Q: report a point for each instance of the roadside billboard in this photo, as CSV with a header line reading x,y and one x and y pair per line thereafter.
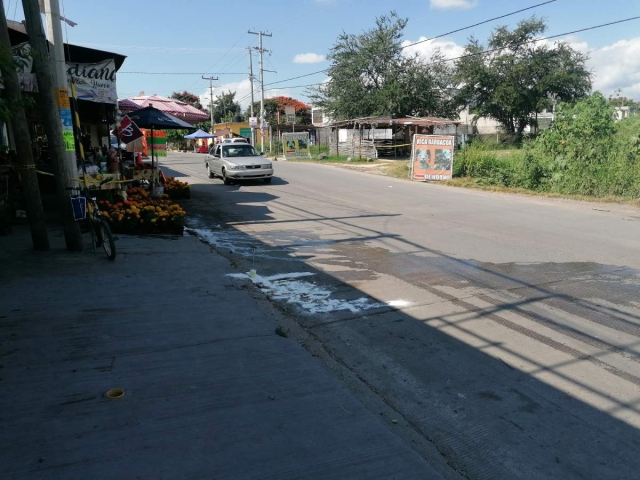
x,y
432,157
296,145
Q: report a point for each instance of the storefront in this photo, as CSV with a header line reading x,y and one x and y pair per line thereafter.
x,y
94,76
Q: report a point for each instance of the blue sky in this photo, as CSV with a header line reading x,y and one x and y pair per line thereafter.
x,y
198,36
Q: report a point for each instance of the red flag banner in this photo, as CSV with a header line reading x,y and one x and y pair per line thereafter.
x,y
129,131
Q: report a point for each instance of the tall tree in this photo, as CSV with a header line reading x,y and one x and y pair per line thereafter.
x,y
12,107
189,98
276,105
225,107
371,74
514,77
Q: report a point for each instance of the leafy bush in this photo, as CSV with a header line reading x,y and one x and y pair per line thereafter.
x,y
585,153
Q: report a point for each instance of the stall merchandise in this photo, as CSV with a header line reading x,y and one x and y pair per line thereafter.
x,y
141,213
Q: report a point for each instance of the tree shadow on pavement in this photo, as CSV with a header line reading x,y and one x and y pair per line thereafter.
x,y
492,411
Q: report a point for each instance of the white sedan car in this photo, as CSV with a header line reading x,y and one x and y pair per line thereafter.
x,y
237,161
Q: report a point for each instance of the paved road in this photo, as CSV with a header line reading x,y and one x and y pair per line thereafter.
x,y
504,329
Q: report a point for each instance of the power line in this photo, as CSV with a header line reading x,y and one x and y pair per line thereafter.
x,y
432,38
536,40
163,49
480,23
225,54
185,73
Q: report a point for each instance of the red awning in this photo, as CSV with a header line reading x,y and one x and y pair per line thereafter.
x,y
171,106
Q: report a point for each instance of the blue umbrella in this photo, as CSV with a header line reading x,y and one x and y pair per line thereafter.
x,y
199,134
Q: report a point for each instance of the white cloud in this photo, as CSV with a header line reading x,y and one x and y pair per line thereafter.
x,y
453,4
309,58
243,92
426,49
613,66
617,66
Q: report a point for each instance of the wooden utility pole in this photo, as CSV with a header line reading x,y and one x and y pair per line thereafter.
x,y
26,164
52,124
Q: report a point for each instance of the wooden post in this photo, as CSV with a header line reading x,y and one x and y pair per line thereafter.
x,y
52,124
26,164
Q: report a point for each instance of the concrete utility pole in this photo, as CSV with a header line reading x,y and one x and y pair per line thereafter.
x,y
262,112
26,164
59,69
51,120
211,80
253,130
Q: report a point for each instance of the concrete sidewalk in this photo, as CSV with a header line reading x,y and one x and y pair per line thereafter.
x,y
211,391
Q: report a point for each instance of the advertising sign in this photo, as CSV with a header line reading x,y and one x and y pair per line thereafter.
x,y
296,145
253,122
432,157
95,82
159,142
64,110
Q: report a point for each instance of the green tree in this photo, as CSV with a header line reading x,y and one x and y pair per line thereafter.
x,y
225,107
371,74
276,105
189,98
177,136
514,77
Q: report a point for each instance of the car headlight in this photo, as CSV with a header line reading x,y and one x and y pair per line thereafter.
x,y
237,167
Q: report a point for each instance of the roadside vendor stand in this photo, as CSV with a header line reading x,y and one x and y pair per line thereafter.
x,y
154,119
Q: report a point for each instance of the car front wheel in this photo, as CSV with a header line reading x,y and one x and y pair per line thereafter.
x,y
225,179
209,172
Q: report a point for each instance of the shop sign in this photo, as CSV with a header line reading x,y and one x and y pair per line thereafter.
x,y
296,145
432,157
94,82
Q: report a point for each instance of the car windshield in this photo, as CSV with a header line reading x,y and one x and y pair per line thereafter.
x,y
239,150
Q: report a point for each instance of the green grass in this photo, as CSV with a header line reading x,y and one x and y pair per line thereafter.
x,y
467,182
397,169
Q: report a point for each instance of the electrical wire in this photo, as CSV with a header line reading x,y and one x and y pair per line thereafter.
x,y
437,36
479,23
163,49
214,65
535,40
185,73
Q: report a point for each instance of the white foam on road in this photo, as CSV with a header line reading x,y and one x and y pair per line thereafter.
x,y
399,303
308,296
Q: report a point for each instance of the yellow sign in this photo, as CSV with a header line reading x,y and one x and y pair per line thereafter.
x,y
63,98
69,140
296,145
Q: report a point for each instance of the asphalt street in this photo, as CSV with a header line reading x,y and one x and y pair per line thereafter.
x,y
503,329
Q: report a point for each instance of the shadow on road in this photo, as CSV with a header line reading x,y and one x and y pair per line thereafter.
x,y
489,418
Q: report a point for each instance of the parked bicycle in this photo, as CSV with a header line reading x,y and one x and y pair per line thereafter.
x,y
101,235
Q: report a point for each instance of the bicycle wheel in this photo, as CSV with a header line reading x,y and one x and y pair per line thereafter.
x,y
106,239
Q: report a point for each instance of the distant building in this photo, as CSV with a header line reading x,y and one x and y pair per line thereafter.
x,y
319,118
